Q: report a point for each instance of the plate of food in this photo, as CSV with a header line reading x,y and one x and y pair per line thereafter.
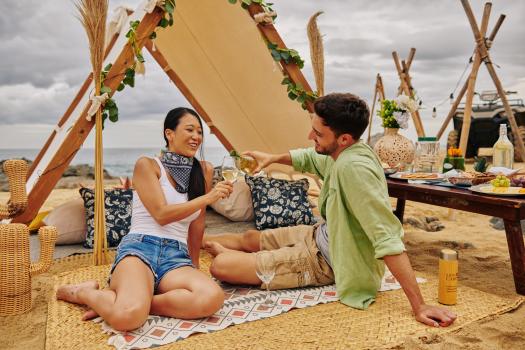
x,y
498,191
470,178
431,177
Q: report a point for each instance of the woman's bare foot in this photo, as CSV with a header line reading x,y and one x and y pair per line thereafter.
x,y
69,292
214,248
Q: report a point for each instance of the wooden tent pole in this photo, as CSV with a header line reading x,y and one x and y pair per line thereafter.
x,y
187,93
270,33
461,93
402,76
479,36
376,87
467,114
381,88
410,57
67,114
82,127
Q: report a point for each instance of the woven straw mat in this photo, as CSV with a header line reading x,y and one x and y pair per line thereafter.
x,y
385,324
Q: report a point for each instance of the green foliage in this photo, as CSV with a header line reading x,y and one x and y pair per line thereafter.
x,y
480,164
246,3
287,55
132,40
110,109
233,153
388,107
297,92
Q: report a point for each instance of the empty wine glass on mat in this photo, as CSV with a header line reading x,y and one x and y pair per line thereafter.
x,y
229,169
266,272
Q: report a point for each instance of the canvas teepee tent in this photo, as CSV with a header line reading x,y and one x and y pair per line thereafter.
x,y
217,54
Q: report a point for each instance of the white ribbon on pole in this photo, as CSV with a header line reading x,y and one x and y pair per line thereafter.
x,y
117,22
266,17
151,4
96,102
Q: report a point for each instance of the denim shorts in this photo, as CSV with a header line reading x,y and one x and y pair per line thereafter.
x,y
161,255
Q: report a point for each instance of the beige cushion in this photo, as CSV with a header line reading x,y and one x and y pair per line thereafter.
x,y
237,207
70,221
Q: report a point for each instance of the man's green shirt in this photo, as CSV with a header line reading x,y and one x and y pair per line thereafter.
x,y
362,228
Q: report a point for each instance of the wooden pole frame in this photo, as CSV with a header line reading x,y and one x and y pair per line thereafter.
x,y
379,89
83,89
404,77
82,127
409,60
269,32
463,90
485,57
187,93
471,86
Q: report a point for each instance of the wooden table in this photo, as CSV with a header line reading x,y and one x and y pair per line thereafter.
x,y
510,209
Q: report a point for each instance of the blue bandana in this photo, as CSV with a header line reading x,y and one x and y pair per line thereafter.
x,y
179,168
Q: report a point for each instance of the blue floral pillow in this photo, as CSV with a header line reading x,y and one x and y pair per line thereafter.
x,y
118,214
279,203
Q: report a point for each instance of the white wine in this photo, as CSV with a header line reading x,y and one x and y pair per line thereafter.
x,y
503,150
247,164
230,174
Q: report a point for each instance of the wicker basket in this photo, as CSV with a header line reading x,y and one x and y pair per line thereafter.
x,y
16,172
16,268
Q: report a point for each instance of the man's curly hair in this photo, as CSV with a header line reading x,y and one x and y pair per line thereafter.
x,y
344,113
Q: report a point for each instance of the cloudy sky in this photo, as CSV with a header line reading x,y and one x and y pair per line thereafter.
x,y
45,59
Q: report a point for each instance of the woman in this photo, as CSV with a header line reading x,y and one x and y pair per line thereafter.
x,y
156,266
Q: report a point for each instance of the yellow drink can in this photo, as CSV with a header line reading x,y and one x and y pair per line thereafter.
x,y
448,277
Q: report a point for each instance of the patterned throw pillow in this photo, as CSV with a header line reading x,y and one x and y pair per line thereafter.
x,y
118,214
279,203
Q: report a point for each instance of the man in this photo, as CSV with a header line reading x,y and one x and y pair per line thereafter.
x,y
360,235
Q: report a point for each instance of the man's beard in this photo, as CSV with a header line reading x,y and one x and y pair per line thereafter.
x,y
328,150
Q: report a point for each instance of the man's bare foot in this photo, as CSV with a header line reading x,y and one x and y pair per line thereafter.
x,y
204,240
214,248
89,315
69,292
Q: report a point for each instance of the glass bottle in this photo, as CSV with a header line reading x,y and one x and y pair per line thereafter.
x,y
503,150
426,155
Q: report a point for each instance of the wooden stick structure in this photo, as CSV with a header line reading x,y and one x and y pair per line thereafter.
x,y
482,54
409,60
379,89
406,86
82,127
467,114
463,90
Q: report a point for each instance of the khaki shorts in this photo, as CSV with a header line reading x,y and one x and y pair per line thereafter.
x,y
298,262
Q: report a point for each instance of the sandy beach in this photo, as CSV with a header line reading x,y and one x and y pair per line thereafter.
x,y
484,264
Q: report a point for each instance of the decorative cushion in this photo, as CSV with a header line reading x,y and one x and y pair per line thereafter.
x,y
238,206
38,221
118,214
279,203
70,221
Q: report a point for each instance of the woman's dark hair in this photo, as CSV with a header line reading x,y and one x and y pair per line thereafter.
x,y
197,186
344,113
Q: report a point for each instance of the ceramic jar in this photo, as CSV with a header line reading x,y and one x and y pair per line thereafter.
x,y
394,149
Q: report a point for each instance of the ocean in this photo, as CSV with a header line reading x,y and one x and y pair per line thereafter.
x,y
117,161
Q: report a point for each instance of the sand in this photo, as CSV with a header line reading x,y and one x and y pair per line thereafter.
x,y
484,264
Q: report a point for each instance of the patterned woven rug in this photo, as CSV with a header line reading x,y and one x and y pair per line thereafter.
x,y
333,325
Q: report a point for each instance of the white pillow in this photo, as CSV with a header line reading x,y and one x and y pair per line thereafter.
x,y
239,206
70,221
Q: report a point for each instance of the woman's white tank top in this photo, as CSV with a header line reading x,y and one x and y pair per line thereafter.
x,y
143,223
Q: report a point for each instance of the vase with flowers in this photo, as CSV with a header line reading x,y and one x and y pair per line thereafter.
x,y
393,148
